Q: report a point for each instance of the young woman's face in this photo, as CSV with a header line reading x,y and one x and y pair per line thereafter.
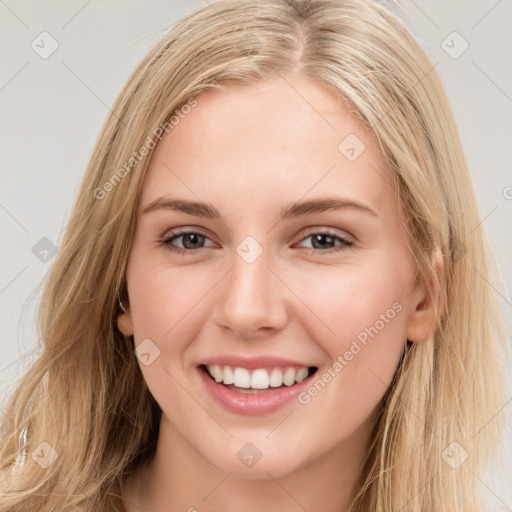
x,y
329,284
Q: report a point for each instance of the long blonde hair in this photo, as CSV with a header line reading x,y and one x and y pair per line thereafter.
x,y
83,406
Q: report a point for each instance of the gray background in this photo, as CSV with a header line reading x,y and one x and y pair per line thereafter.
x,y
53,108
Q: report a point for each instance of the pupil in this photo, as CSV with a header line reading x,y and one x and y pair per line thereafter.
x,y
193,236
320,237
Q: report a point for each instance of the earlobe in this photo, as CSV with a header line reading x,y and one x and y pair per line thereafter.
x,y
124,320
430,303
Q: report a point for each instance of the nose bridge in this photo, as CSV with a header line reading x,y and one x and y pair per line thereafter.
x,y
250,298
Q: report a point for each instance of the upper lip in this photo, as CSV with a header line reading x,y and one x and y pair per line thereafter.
x,y
252,363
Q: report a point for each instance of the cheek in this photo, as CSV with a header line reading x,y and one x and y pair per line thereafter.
x,y
168,309
165,299
360,314
345,300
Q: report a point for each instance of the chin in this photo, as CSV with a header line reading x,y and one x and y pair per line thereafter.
x,y
240,465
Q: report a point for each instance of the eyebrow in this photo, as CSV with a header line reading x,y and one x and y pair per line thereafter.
x,y
298,209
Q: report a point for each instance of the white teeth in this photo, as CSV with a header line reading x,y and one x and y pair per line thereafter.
x,y
289,377
259,378
276,378
228,375
241,378
302,373
216,372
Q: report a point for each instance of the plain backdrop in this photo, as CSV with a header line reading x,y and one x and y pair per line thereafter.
x,y
54,105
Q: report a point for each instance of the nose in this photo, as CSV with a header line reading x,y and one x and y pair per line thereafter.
x,y
252,301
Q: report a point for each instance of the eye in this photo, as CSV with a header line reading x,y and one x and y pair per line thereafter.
x,y
191,243
324,242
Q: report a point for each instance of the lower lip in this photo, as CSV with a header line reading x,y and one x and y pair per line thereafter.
x,y
258,404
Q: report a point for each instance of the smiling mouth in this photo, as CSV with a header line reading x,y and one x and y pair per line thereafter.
x,y
262,380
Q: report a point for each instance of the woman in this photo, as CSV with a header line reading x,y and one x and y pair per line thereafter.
x,y
269,294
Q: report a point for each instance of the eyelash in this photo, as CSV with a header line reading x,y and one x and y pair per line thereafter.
x,y
167,242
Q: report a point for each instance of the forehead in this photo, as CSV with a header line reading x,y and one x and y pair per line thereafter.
x,y
274,141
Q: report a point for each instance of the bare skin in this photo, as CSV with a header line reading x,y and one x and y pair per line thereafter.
x,y
249,153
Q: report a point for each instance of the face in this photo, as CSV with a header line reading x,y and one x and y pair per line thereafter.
x,y
329,285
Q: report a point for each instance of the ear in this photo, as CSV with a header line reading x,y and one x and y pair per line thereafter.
x,y
124,320
427,298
